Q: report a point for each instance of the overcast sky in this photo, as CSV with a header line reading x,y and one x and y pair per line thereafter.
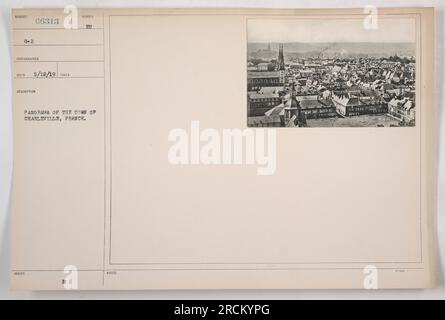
x,y
326,29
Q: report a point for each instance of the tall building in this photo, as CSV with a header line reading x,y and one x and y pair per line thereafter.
x,y
293,117
281,57
259,79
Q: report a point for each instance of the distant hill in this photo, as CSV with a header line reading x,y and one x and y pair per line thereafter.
x,y
329,50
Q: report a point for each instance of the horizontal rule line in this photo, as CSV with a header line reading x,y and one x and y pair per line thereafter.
x,y
43,270
215,269
264,263
57,29
98,77
59,61
60,45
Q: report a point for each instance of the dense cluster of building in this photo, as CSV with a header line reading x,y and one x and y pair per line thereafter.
x,y
291,93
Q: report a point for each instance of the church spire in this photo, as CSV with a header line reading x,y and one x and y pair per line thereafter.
x,y
281,57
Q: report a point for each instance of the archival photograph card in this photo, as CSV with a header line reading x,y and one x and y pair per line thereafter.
x,y
223,149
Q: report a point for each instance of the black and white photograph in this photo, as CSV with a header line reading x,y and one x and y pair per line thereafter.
x,y
321,72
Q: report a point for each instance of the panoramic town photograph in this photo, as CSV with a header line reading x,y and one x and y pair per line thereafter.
x,y
331,73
